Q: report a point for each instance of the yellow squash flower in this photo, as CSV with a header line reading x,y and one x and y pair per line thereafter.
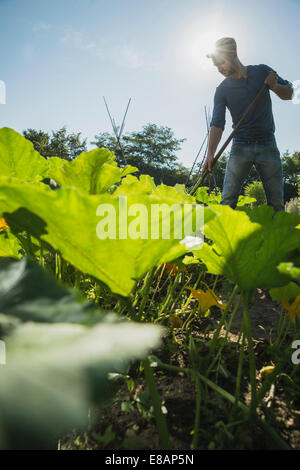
x,y
293,309
264,371
3,224
173,269
206,299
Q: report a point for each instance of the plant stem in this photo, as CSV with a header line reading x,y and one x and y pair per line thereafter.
x,y
214,340
215,282
77,279
286,328
285,357
156,402
41,260
190,317
179,294
191,295
58,265
168,298
166,281
30,252
226,335
157,284
252,368
146,290
239,377
279,441
197,413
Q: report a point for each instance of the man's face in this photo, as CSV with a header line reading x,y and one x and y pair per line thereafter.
x,y
224,65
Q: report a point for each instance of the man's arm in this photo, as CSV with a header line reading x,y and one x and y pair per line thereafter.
x,y
216,128
285,92
214,138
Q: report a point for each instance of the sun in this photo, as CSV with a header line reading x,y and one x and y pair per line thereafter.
x,y
198,45
198,38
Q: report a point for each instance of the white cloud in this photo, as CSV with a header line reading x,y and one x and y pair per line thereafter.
x,y
130,56
78,39
124,55
40,26
127,56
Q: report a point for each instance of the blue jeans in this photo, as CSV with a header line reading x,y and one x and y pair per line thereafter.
x,y
265,155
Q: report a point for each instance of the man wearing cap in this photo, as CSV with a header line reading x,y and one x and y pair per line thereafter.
x,y
254,142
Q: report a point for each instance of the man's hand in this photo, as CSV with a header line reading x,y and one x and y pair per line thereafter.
x,y
208,164
271,80
285,92
214,138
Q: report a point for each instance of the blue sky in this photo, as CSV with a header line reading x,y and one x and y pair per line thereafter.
x,y
59,57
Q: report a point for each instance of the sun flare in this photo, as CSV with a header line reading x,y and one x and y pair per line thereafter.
x,y
201,44
200,39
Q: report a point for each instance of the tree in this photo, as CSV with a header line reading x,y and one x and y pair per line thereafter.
x,y
151,150
291,172
157,145
291,168
40,140
60,144
256,190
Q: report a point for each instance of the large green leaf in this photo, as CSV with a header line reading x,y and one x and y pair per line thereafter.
x,y
29,292
9,245
265,216
285,293
247,252
215,196
290,270
68,220
54,373
204,197
243,200
18,157
92,172
131,184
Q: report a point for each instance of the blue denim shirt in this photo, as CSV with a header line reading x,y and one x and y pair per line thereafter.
x,y
237,95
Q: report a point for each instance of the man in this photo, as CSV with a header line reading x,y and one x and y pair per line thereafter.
x,y
254,142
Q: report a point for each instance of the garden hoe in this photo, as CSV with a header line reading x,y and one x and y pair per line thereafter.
x,y
201,179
